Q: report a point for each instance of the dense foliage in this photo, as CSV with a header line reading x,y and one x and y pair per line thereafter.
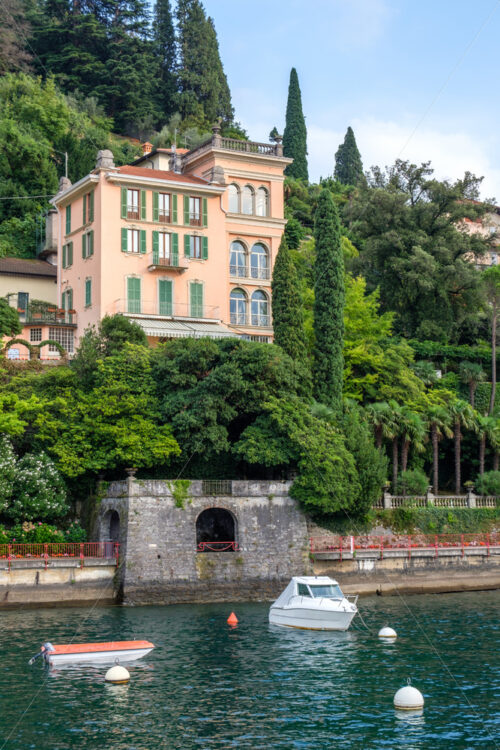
x,y
288,318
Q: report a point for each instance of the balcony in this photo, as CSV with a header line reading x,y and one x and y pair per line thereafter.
x,y
244,319
47,316
173,310
241,272
172,262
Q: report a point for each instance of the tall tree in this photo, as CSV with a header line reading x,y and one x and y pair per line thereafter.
x,y
329,301
487,429
491,283
348,164
13,31
439,421
462,415
471,374
203,84
412,433
295,134
288,318
165,50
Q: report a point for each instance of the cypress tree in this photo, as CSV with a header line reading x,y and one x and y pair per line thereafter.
x,y
288,319
329,291
165,50
295,135
348,164
204,88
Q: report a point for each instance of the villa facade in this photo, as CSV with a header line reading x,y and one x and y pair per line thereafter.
x,y
182,242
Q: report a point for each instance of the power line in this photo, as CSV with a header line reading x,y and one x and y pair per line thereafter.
x,y
24,197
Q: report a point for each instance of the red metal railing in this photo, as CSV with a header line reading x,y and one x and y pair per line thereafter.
x,y
343,545
217,547
56,550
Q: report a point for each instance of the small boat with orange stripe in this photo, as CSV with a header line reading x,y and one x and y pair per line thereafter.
x,y
77,653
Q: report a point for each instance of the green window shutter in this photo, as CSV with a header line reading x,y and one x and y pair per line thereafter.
x,y
156,247
64,256
143,205
204,248
124,240
91,206
186,210
85,208
196,297
68,219
69,299
174,239
133,295
142,245
124,203
205,212
174,208
88,292
155,207
187,245
69,256
165,297
90,248
84,245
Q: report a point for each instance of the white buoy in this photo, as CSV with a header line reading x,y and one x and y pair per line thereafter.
x,y
408,698
387,633
117,675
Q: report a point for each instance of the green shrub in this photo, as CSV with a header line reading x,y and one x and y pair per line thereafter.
x,y
75,533
38,490
489,483
412,482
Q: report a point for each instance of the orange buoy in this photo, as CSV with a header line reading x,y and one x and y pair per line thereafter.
x,y
232,619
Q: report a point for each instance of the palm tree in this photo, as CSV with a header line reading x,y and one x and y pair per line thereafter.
x,y
380,416
491,283
487,427
462,415
393,433
472,374
439,421
412,430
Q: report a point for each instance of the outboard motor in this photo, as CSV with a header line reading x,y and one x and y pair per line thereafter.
x,y
46,648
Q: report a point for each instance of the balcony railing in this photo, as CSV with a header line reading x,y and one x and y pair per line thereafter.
x,y
132,212
49,316
244,319
164,216
151,308
194,220
253,273
172,261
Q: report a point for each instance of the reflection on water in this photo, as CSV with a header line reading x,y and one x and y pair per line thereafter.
x,y
254,686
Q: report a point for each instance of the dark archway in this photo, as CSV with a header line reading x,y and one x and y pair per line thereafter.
x,y
216,531
114,526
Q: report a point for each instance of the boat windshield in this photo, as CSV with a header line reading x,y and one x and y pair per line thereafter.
x,y
331,591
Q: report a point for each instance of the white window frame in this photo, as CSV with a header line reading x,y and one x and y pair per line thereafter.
x,y
133,234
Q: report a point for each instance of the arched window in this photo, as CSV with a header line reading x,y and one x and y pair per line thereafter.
x,y
233,192
215,531
259,265
238,307
262,202
247,196
238,260
260,309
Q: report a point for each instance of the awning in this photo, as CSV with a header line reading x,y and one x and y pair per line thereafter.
x,y
174,329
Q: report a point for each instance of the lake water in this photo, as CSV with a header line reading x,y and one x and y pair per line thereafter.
x,y
258,686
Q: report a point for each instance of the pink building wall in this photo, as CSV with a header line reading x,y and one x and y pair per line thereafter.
x,y
109,267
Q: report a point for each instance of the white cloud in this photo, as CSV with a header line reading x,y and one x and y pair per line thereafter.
x,y
382,142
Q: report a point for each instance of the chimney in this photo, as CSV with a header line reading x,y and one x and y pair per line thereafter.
x,y
105,160
147,147
64,184
175,161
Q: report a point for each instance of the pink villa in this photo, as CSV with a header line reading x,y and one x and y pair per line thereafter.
x,y
182,242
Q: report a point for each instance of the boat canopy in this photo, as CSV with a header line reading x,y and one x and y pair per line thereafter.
x,y
292,588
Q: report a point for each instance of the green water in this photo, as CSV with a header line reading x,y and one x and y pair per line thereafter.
x,y
257,686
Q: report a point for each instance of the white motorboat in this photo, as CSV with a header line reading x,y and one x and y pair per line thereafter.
x,y
111,651
313,603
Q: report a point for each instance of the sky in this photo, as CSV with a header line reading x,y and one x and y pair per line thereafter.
x,y
415,79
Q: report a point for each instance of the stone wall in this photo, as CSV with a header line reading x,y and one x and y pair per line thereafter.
x,y
63,582
157,529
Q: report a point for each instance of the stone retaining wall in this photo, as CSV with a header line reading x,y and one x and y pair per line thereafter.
x,y
160,561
